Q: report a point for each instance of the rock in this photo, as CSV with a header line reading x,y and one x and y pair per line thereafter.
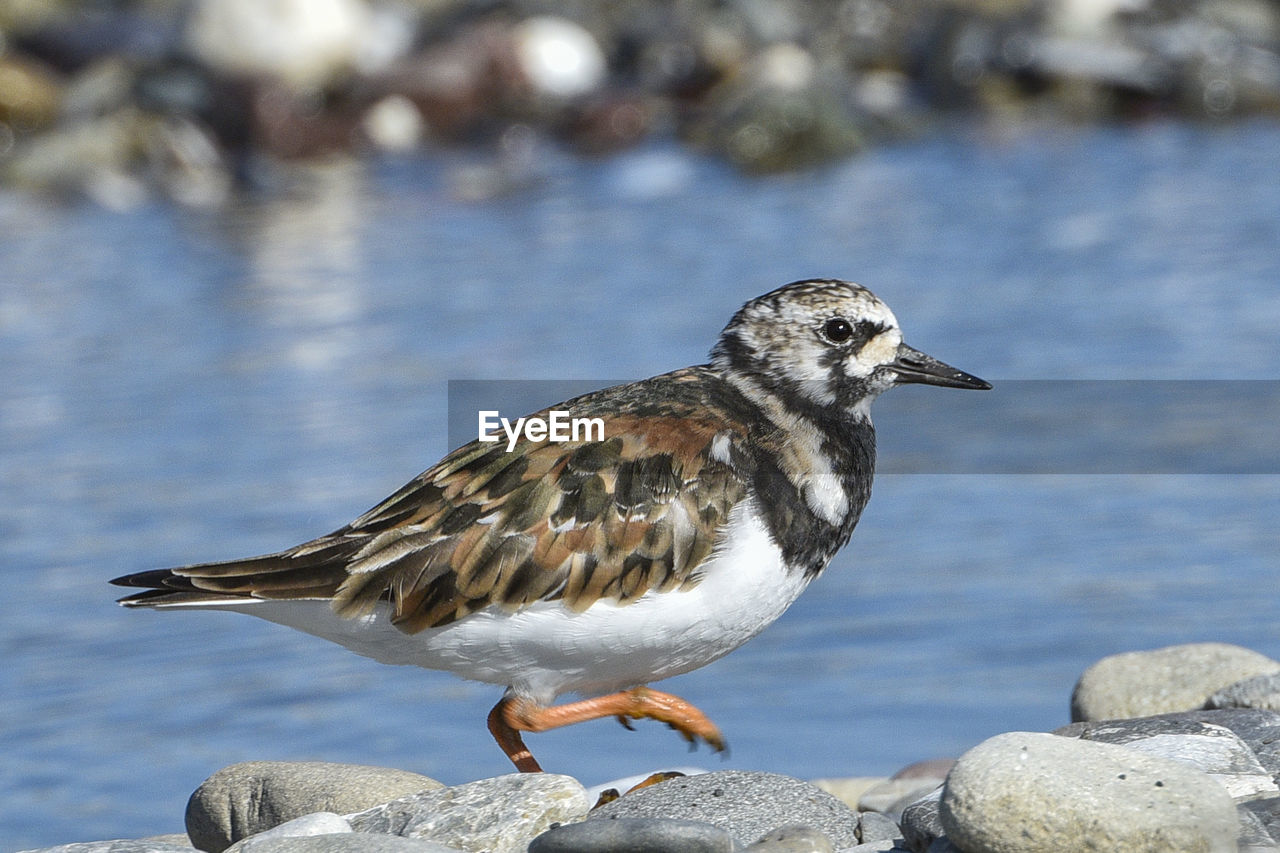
x,y
892,796
634,835
1261,691
304,43
320,823
874,847
921,823
159,844
1258,728
1174,678
747,804
1267,812
249,798
558,58
1025,792
499,815
877,827
31,94
1214,749
849,790
944,845
626,783
348,842
793,838
933,769
1252,834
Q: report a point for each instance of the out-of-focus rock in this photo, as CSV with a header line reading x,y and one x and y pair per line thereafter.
x,y
304,43
558,58
30,94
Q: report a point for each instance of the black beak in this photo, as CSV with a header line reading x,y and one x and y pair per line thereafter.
x,y
911,365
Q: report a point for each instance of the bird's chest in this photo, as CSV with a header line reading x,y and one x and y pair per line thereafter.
x,y
743,587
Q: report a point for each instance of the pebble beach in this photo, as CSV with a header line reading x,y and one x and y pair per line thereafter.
x,y
192,102
1172,749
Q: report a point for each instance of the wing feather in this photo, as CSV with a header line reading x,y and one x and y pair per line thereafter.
x,y
576,522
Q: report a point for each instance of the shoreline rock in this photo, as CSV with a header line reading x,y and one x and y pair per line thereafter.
x,y
1198,779
190,100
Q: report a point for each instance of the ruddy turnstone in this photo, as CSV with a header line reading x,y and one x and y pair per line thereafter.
x,y
716,494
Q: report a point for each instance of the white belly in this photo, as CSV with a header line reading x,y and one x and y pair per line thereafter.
x,y
546,649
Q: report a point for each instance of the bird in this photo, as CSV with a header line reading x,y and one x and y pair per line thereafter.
x,y
599,564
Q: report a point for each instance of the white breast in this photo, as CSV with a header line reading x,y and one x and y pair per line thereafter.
x,y
546,649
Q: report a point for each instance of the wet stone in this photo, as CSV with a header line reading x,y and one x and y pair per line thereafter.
x,y
634,835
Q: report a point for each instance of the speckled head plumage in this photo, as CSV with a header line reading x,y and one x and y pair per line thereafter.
x,y
715,494
825,344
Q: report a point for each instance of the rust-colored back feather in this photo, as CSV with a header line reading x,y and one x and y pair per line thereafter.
x,y
571,521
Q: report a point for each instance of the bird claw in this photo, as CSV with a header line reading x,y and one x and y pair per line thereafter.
x,y
626,723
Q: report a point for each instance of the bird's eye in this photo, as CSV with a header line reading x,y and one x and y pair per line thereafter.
x,y
837,330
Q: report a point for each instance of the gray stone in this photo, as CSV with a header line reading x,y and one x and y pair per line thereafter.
x,y
349,842
921,823
1258,728
1160,681
746,804
1261,691
874,847
1252,833
877,827
943,845
159,844
931,768
849,790
634,835
893,795
1214,749
1027,792
320,823
248,798
498,815
793,838
1267,811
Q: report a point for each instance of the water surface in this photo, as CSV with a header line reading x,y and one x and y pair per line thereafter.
x,y
185,386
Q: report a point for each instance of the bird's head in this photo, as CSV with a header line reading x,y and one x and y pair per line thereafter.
x,y
826,343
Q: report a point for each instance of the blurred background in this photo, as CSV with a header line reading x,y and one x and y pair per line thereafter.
x,y
246,245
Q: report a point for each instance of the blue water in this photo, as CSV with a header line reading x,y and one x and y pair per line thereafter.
x,y
184,386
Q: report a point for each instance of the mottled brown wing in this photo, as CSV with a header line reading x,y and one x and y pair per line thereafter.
x,y
575,522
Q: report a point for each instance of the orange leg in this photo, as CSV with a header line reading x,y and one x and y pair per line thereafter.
x,y
515,714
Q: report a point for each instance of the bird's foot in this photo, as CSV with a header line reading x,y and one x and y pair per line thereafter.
x,y
516,714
